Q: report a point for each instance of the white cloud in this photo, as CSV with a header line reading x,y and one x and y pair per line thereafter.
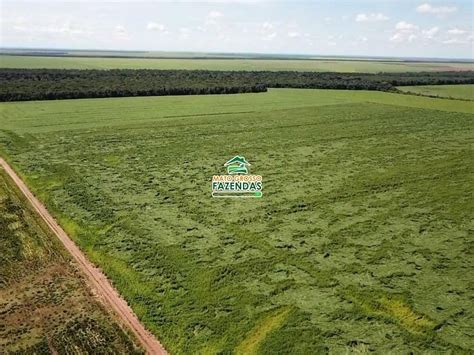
x,y
437,10
456,31
459,36
267,26
294,34
120,29
69,26
214,14
184,33
153,26
55,29
267,30
371,17
64,29
455,41
270,36
405,26
212,18
121,32
397,37
404,32
431,32
16,21
408,33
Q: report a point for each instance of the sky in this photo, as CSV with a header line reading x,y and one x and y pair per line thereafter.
x,y
442,29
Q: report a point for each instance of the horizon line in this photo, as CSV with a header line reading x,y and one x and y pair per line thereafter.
x,y
224,53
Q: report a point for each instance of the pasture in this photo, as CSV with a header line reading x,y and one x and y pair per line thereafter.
x,y
465,92
360,242
350,66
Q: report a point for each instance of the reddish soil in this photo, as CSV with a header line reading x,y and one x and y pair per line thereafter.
x,y
97,280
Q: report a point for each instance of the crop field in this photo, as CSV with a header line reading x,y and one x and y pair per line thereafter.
x,y
365,66
465,92
361,242
44,302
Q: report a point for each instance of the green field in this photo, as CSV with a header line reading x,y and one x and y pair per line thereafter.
x,y
361,241
45,304
465,92
7,61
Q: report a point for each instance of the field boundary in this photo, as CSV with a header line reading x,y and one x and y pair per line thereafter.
x,y
432,96
96,279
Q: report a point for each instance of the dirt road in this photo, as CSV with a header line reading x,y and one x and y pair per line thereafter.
x,y
100,284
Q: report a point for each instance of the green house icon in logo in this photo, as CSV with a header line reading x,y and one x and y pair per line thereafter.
x,y
237,165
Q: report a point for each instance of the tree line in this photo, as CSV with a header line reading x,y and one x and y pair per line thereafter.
x,y
52,84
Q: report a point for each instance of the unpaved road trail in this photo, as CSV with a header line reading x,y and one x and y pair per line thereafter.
x,y
98,281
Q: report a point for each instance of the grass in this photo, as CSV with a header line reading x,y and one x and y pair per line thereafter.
x,y
365,212
408,319
445,91
44,301
251,344
7,61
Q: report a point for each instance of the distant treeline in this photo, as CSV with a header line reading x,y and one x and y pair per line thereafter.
x,y
52,84
427,78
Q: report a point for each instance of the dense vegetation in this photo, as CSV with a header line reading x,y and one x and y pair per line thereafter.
x,y
50,84
45,305
19,85
361,242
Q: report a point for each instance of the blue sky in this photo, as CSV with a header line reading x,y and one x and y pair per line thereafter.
x,y
374,28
